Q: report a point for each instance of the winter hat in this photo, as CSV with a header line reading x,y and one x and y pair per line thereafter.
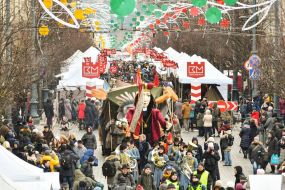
x,y
219,183
260,172
231,184
35,130
168,167
239,186
147,166
211,139
210,145
229,132
171,186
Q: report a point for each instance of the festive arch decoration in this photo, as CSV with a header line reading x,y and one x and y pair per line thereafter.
x,y
90,16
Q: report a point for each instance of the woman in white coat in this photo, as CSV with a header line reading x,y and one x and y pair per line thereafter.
x,y
208,124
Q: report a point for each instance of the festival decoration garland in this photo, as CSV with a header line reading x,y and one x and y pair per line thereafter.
x,y
127,15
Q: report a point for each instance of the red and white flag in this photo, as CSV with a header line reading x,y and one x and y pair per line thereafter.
x,y
89,87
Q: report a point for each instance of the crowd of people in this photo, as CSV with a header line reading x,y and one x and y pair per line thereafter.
x,y
171,163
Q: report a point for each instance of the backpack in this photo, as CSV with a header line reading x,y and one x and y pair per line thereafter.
x,y
109,168
230,140
66,163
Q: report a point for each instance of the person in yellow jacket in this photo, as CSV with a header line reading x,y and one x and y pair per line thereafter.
x,y
173,179
52,158
202,175
196,184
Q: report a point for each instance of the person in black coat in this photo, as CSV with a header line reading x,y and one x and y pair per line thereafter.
x,y
61,109
198,152
70,159
272,147
48,109
253,130
245,138
212,157
238,174
89,114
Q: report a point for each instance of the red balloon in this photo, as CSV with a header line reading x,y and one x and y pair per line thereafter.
x,y
165,33
157,22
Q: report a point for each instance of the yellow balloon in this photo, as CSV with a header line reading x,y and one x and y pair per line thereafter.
x,y
89,11
63,2
48,3
44,30
70,21
97,23
79,14
73,4
97,28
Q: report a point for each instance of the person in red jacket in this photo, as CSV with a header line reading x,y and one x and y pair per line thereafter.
x,y
81,116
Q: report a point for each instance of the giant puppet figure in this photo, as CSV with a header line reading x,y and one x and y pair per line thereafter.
x,y
145,118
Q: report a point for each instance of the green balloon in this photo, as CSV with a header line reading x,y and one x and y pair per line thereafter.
x,y
164,7
230,2
158,14
144,7
138,13
134,19
213,15
131,24
142,18
122,7
152,7
138,23
199,3
148,13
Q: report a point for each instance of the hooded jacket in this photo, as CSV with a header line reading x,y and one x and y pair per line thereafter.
x,y
79,176
87,154
146,181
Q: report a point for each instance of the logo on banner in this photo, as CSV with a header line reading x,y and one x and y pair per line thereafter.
x,y
196,69
89,69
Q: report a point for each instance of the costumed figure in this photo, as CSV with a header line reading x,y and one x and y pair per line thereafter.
x,y
145,118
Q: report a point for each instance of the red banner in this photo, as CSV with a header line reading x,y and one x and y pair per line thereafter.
x,y
89,69
196,69
169,63
113,68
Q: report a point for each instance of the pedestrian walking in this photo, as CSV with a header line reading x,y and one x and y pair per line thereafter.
x,y
207,119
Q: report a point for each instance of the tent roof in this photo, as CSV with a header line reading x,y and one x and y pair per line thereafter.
x,y
212,75
20,175
73,77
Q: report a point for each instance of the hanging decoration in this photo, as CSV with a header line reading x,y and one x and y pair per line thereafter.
x,y
122,7
119,16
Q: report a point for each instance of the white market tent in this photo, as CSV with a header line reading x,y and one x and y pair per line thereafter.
x,y
72,78
18,174
212,75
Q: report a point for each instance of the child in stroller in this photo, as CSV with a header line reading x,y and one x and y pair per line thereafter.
x,y
64,124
